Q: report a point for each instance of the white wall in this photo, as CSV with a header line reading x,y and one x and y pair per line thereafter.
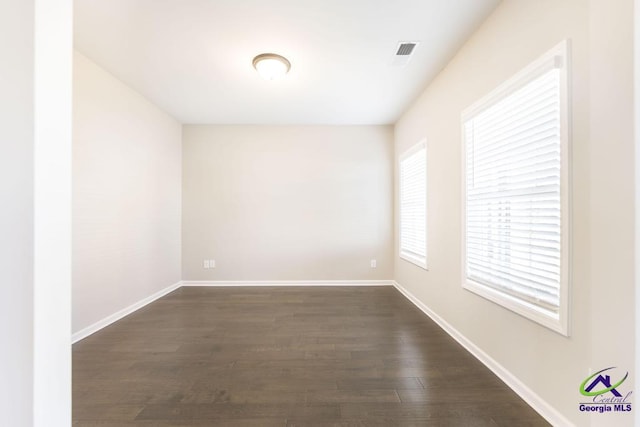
x,y
550,365
287,202
52,212
126,196
636,112
35,195
16,215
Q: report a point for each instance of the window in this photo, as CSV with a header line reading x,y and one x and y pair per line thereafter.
x,y
413,205
516,193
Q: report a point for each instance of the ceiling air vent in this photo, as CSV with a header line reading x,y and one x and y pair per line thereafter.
x,y
403,53
405,49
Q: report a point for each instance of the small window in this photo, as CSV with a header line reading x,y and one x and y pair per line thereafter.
x,y
413,205
516,193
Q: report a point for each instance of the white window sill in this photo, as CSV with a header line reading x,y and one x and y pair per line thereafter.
x,y
420,262
543,317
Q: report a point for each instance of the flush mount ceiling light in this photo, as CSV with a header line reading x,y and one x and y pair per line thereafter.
x,y
271,66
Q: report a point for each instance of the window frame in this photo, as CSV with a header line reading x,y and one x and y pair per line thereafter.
x,y
560,55
422,144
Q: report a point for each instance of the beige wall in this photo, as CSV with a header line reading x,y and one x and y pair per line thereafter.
x,y
126,196
550,364
287,202
612,191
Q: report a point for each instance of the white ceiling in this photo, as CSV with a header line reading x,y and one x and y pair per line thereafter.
x,y
193,58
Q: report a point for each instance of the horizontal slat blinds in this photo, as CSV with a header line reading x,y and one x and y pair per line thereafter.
x,y
513,194
413,205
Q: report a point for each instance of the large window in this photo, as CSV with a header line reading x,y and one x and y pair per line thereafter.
x,y
516,193
413,205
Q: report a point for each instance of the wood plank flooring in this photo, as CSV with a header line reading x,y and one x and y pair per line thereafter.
x,y
285,356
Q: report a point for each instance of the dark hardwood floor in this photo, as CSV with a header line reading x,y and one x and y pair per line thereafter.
x,y
285,356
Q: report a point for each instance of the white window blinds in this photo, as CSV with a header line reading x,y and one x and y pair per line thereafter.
x,y
513,197
413,205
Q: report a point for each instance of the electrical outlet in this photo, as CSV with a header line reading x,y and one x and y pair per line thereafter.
x,y
205,263
374,263
212,263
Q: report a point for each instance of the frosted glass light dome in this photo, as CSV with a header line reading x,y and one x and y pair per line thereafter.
x,y
271,66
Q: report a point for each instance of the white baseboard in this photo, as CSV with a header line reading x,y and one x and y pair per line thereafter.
x,y
288,283
83,333
540,405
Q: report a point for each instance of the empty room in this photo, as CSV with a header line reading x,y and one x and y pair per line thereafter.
x,y
319,213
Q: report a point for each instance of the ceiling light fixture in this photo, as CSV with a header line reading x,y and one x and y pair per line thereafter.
x,y
271,66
